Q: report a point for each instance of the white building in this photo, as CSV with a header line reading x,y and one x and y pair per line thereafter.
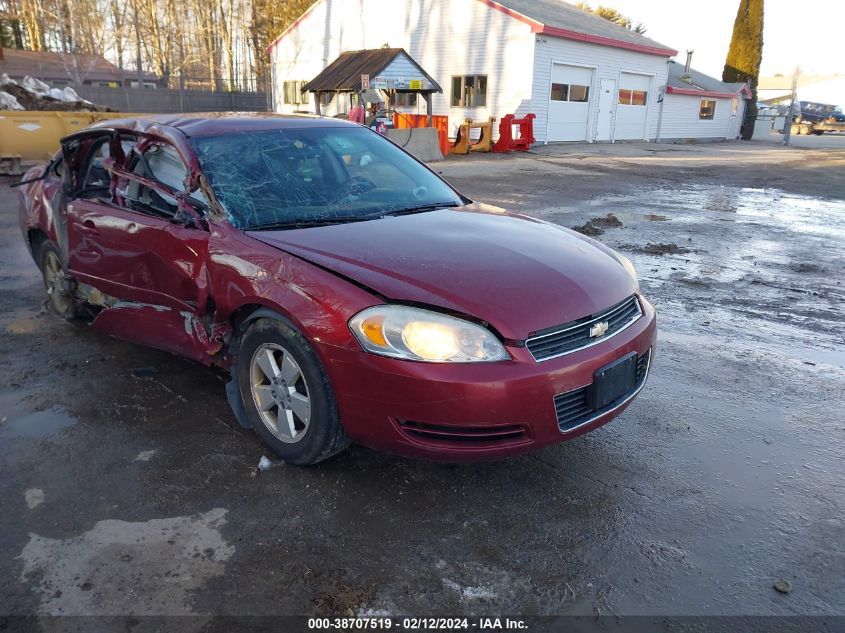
x,y
698,106
585,78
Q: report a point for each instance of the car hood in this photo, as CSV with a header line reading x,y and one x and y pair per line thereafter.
x,y
517,273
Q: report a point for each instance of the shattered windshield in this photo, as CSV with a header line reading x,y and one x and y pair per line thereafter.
x,y
293,177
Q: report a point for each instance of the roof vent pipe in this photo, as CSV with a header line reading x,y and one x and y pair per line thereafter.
x,y
687,76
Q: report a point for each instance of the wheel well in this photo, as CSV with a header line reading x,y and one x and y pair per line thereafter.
x,y
245,312
36,237
239,316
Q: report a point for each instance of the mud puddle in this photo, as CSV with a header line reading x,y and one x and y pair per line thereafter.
x,y
37,425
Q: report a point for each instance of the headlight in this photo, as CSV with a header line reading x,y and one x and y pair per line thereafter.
x,y
423,335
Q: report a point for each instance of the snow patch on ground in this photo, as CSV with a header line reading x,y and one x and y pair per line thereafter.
x,y
34,497
127,568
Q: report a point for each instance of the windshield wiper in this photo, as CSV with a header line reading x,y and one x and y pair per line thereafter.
x,y
423,208
309,222
346,219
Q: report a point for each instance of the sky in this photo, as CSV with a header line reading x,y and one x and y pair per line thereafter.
x,y
792,36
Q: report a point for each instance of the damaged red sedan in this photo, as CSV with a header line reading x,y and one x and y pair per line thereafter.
x,y
349,291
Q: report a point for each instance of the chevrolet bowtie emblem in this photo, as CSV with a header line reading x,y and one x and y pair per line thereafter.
x,y
599,329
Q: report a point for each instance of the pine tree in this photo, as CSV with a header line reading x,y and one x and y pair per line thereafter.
x,y
745,55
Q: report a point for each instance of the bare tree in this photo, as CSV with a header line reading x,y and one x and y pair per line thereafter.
x,y
34,20
117,15
11,25
218,44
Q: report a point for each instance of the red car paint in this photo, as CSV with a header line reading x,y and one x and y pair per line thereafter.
x,y
186,289
476,260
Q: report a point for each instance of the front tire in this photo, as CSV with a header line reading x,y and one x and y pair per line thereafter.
x,y
287,395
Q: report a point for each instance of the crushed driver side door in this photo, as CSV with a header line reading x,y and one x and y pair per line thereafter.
x,y
141,252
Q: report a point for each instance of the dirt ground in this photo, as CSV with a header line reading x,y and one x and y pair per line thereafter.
x,y
128,488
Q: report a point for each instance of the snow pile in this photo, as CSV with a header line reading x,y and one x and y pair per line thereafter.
x,y
34,94
35,86
68,95
9,102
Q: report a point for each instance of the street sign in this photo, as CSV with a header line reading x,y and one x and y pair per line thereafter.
x,y
365,82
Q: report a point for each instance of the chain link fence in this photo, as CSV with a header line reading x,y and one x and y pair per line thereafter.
x,y
166,100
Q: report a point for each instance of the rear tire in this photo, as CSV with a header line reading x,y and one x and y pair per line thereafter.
x,y
59,285
287,395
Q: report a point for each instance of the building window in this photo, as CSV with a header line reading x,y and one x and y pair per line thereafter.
x,y
632,97
570,92
293,92
734,106
405,100
707,109
469,91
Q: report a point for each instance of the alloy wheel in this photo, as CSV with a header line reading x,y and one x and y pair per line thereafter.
x,y
280,392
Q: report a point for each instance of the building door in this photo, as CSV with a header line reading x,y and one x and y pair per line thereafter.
x,y
607,102
632,107
569,102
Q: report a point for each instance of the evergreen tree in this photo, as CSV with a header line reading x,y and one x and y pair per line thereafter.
x,y
745,55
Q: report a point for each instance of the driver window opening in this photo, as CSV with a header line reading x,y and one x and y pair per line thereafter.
x,y
97,181
163,164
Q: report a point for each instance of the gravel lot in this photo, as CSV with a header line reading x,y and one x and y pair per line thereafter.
x,y
138,495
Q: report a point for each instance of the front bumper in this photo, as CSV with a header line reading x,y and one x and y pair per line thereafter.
x,y
472,412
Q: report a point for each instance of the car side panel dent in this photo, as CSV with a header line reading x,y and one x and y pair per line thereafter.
x,y
35,205
249,273
164,328
245,271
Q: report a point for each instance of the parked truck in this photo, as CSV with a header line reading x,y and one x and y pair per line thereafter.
x,y
817,118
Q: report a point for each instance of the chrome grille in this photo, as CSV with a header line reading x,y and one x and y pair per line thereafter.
x,y
573,411
575,335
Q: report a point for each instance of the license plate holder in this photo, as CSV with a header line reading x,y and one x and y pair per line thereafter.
x,y
613,381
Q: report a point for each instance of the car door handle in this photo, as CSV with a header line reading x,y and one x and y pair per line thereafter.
x,y
89,228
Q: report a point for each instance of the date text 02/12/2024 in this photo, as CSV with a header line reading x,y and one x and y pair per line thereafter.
x,y
418,624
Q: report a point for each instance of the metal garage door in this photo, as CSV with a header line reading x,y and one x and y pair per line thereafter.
x,y
632,109
569,102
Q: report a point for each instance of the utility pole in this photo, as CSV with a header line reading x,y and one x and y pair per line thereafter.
x,y
787,126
